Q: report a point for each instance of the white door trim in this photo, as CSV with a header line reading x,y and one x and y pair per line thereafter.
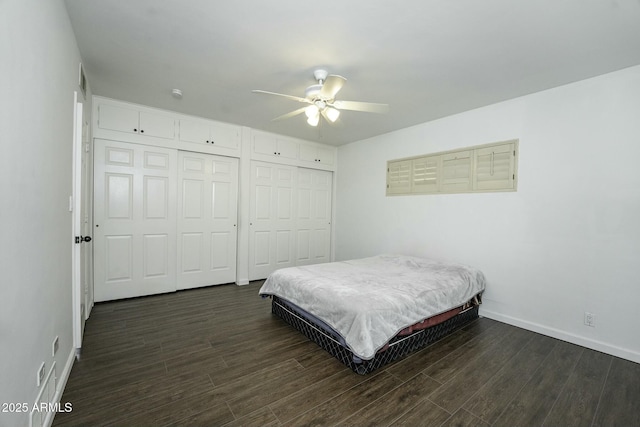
x,y
75,205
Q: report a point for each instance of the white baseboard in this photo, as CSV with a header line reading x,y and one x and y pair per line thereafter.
x,y
61,384
242,282
613,350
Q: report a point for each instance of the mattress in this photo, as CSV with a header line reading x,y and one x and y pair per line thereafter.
x,y
369,301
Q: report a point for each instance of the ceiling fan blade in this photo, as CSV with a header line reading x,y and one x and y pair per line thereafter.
x,y
291,97
331,86
291,114
369,107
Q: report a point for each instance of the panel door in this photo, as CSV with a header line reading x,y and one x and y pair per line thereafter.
x,y
272,220
135,220
207,219
313,225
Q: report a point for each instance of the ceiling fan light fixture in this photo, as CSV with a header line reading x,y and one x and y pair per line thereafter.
x,y
314,120
332,114
311,111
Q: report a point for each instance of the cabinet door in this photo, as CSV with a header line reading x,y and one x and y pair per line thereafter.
x,y
265,144
226,136
308,153
157,125
287,149
194,131
118,118
325,156
207,217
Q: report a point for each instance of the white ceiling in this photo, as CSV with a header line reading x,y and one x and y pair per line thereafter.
x,y
425,58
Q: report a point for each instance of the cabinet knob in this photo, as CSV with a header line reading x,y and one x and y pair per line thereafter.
x,y
135,130
275,152
141,130
207,141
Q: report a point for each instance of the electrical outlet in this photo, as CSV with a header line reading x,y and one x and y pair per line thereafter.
x,y
40,375
54,347
589,319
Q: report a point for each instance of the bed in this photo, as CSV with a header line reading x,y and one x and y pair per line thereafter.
x,y
368,312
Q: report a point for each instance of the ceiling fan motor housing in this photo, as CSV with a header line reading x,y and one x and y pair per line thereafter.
x,y
320,75
312,91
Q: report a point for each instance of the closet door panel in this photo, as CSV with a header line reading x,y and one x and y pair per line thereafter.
x,y
313,217
135,224
207,219
272,220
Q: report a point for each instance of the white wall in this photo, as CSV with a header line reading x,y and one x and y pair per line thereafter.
x,y
38,75
568,241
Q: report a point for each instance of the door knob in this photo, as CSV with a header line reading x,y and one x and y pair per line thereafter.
x,y
85,238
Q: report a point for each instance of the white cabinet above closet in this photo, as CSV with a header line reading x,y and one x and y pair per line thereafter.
x,y
274,148
111,117
208,132
314,154
122,121
264,144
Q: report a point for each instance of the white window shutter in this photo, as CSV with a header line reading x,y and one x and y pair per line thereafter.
x,y
495,168
399,177
425,177
456,171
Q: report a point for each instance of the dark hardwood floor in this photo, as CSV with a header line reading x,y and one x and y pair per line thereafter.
x,y
216,356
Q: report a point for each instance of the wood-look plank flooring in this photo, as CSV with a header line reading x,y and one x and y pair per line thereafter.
x,y
218,357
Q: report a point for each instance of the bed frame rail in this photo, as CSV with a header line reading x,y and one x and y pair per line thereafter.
x,y
398,347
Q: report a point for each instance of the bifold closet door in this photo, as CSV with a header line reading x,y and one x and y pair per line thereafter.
x,y
207,219
135,220
313,213
271,217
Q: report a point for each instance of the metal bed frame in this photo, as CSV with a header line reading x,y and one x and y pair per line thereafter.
x,y
398,347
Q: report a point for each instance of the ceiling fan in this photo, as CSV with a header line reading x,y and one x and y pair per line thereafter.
x,y
321,98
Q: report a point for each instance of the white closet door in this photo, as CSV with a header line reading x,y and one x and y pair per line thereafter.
x,y
135,220
207,219
272,220
313,232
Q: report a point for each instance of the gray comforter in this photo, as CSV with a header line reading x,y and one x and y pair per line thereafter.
x,y
368,301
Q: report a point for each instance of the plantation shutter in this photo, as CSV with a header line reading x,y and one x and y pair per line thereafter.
x,y
456,171
494,167
399,177
425,174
